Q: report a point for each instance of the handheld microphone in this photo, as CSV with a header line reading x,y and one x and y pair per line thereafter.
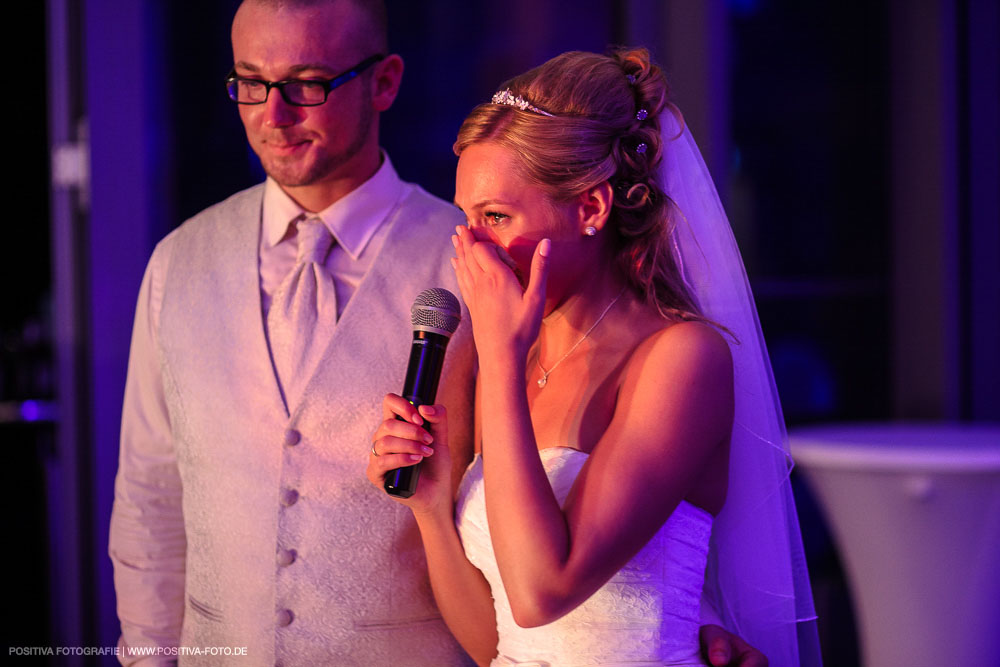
x,y
435,315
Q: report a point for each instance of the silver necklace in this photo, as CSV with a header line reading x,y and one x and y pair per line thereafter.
x,y
542,381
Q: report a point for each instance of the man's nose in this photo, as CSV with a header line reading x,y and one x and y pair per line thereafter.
x,y
278,112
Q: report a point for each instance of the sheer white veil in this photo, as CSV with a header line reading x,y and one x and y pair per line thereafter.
x,y
757,572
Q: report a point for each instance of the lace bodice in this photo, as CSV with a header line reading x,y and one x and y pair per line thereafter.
x,y
647,614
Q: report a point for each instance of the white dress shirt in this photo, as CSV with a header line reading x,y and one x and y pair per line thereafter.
x,y
355,221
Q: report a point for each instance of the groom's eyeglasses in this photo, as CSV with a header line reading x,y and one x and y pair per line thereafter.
x,y
296,92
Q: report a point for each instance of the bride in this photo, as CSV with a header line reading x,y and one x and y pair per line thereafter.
x,y
628,437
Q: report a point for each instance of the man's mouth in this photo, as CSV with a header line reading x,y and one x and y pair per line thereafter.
x,y
286,147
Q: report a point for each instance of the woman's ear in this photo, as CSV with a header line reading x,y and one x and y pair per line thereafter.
x,y
595,208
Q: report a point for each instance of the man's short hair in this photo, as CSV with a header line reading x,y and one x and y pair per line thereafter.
x,y
374,9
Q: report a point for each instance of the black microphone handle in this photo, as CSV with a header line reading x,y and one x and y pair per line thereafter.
x,y
420,388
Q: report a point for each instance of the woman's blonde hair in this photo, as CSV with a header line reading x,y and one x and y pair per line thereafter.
x,y
604,126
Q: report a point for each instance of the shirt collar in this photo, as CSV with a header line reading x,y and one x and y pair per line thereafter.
x,y
352,219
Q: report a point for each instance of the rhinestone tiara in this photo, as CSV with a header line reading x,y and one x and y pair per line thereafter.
x,y
511,100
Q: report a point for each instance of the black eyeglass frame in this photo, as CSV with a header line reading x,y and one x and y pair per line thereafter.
x,y
328,84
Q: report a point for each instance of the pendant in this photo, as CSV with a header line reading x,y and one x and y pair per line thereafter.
x,y
542,381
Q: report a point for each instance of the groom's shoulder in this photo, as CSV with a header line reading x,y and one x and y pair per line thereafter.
x,y
245,202
238,210
432,209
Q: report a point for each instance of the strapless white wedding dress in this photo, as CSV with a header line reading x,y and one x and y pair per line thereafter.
x,y
646,615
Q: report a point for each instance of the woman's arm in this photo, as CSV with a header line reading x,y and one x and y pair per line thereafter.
x,y
462,594
672,418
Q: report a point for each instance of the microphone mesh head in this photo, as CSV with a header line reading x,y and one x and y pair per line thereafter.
x,y
436,309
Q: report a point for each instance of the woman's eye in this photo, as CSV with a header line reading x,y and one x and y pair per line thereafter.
x,y
495,218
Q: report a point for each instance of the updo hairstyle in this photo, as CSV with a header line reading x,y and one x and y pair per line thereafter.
x,y
605,126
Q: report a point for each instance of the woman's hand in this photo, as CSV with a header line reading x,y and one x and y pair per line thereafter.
x,y
401,441
505,316
721,648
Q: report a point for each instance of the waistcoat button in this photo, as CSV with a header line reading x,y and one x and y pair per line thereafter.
x,y
284,618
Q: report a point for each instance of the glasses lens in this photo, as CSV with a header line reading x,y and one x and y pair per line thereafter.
x,y
246,91
305,92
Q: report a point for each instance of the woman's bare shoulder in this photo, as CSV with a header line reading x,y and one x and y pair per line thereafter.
x,y
682,348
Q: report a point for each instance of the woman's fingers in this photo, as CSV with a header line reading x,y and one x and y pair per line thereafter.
x,y
391,447
401,438
394,405
435,414
487,258
476,264
389,452
397,428
504,256
458,239
479,256
436,419
479,259
535,292
461,272
466,282
395,436
463,243
399,444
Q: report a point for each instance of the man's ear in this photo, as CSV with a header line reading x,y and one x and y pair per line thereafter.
x,y
595,206
388,74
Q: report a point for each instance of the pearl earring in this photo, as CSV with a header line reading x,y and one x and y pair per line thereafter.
x,y
590,230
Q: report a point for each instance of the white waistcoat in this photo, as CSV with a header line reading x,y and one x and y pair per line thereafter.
x,y
356,590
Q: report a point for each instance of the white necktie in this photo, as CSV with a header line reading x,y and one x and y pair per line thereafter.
x,y
303,312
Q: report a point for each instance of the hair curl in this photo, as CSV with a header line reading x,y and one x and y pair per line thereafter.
x,y
593,137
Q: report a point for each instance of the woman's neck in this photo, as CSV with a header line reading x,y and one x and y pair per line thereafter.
x,y
578,313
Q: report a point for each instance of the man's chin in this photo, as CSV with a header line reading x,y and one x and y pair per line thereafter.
x,y
289,178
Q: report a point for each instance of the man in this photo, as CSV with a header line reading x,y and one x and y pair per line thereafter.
x,y
243,528
242,516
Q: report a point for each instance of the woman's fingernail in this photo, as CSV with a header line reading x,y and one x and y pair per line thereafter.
x,y
454,240
543,247
415,457
427,451
426,437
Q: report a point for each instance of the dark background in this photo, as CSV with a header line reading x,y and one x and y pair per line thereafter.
x,y
854,144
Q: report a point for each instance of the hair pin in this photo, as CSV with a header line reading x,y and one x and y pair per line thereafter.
x,y
642,114
641,148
